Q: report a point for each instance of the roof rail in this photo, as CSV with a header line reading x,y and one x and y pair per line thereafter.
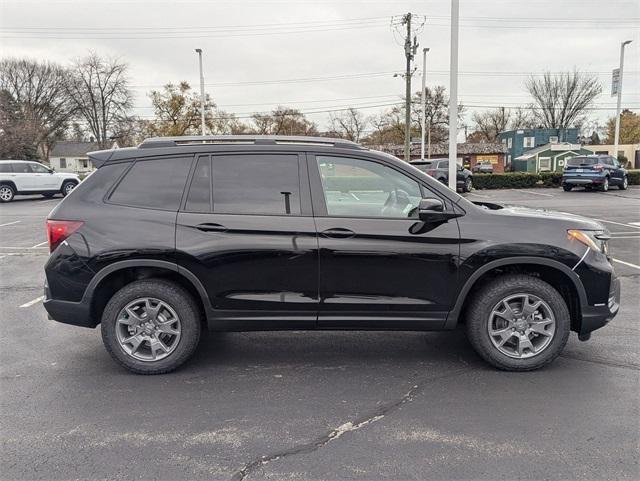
x,y
156,142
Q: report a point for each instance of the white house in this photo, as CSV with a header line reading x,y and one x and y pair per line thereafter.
x,y
71,156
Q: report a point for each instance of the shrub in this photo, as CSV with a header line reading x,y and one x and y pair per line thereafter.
x,y
634,177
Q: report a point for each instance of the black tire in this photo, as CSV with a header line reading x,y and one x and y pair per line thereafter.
x,y
67,187
468,185
483,303
48,195
180,301
604,187
567,187
624,184
7,193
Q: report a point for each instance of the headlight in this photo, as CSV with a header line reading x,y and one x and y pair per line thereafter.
x,y
595,239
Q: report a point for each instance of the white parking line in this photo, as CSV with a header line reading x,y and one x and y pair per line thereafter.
x,y
625,237
634,224
10,223
631,224
625,263
31,303
38,245
535,193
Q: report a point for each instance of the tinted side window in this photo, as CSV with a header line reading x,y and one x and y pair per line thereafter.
x,y
199,198
6,167
156,184
256,184
21,168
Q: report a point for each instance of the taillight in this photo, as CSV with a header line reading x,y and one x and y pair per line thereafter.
x,y
598,167
431,172
59,230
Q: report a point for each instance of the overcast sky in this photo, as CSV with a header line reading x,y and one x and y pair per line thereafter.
x,y
258,54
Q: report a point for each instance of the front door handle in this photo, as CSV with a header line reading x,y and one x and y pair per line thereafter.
x,y
211,227
338,233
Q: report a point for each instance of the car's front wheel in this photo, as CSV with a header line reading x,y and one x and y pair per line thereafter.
x,y
624,184
67,187
6,193
468,185
518,323
151,326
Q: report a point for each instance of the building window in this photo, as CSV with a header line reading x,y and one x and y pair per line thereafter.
x,y
529,142
84,163
553,139
509,143
545,164
63,163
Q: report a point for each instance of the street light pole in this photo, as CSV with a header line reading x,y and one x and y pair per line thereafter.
x,y
453,95
616,139
423,96
199,50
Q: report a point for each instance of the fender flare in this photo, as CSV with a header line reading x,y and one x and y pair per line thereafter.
x,y
126,264
454,313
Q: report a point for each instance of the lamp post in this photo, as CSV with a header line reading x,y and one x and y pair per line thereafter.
x,y
199,50
616,138
453,92
424,98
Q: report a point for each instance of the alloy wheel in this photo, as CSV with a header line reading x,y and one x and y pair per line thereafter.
x,y
68,188
605,184
148,329
6,193
521,326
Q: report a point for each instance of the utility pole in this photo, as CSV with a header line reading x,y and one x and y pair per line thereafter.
x,y
423,97
453,99
199,50
616,139
409,52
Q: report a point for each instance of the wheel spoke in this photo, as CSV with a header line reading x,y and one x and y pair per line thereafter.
x,y
166,328
524,343
157,345
507,314
135,341
504,334
529,308
540,327
152,312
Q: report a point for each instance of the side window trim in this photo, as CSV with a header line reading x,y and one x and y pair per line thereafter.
x,y
317,191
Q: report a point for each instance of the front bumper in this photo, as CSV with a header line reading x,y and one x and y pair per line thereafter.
x,y
595,317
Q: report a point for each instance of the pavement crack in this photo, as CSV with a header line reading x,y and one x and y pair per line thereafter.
x,y
369,418
605,362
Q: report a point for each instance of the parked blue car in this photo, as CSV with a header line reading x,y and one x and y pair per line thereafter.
x,y
594,171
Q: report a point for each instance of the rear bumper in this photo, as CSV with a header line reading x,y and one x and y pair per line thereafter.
x,y
67,312
582,180
595,317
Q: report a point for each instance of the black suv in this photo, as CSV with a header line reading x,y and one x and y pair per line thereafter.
x,y
260,233
439,169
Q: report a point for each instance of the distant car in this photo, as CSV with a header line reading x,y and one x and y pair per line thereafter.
x,y
482,169
23,177
439,168
589,171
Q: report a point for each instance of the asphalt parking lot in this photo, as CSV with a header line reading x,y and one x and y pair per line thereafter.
x,y
317,405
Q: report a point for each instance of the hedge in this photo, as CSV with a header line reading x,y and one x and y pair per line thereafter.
x,y
525,180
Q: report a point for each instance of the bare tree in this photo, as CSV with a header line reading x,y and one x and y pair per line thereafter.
x,y
348,124
283,121
39,92
101,94
560,99
488,124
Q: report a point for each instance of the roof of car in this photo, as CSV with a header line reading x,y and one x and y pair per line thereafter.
x,y
191,144
22,161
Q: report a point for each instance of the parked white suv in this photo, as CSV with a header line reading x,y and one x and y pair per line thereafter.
x,y
23,177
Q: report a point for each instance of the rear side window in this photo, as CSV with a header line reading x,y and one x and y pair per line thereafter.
x,y
5,167
21,168
199,198
256,184
155,184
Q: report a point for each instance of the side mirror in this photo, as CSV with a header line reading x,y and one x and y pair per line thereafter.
x,y
51,171
431,210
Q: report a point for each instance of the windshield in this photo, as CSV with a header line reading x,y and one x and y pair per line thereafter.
x,y
576,161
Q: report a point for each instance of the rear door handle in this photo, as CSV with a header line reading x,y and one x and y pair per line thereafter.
x,y
338,233
211,227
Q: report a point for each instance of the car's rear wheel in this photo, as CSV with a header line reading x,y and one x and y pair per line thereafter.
x,y
67,187
605,185
518,323
151,326
624,184
468,185
567,187
7,193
